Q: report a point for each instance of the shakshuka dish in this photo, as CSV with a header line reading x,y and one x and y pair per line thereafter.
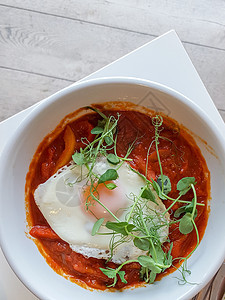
x,y
117,196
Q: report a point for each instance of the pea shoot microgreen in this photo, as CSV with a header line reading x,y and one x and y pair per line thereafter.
x,y
113,159
164,184
110,174
111,185
148,194
142,225
112,273
96,226
184,185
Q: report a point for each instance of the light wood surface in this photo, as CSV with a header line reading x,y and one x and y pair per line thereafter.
x,y
47,45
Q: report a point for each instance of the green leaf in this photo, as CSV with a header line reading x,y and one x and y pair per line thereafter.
x,y
78,158
184,185
169,256
143,273
111,273
158,190
148,262
110,174
142,243
113,159
97,130
108,140
160,254
130,227
148,194
145,261
166,184
122,274
152,277
96,226
185,182
179,211
189,208
111,186
184,209
120,227
186,224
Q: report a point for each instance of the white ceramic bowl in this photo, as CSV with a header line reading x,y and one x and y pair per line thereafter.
x,y
21,252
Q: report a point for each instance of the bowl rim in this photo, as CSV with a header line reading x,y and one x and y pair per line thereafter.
x,y
47,102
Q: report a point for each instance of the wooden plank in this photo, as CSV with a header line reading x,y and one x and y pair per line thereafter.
x,y
69,50
20,90
60,47
200,22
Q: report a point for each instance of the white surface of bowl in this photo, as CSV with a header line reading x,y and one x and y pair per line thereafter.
x,y
21,252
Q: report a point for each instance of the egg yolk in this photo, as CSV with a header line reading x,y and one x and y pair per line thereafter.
x,y
115,200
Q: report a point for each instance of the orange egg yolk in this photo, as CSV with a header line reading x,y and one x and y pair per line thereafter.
x,y
115,200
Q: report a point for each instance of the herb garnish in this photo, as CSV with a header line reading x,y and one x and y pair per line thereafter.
x,y
142,224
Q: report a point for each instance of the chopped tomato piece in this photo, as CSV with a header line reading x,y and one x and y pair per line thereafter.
x,y
47,167
43,232
163,153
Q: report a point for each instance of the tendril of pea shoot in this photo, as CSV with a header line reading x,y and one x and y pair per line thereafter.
x,y
142,225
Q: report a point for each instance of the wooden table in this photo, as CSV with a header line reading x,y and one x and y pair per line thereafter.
x,y
47,45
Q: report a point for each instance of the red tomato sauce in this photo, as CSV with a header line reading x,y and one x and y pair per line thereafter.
x,y
180,157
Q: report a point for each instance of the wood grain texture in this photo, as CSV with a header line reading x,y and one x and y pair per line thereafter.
x,y
200,22
68,49
19,90
59,47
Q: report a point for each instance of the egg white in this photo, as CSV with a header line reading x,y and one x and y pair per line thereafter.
x,y
59,200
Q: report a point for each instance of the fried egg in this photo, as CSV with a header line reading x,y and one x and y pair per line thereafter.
x,y
61,199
